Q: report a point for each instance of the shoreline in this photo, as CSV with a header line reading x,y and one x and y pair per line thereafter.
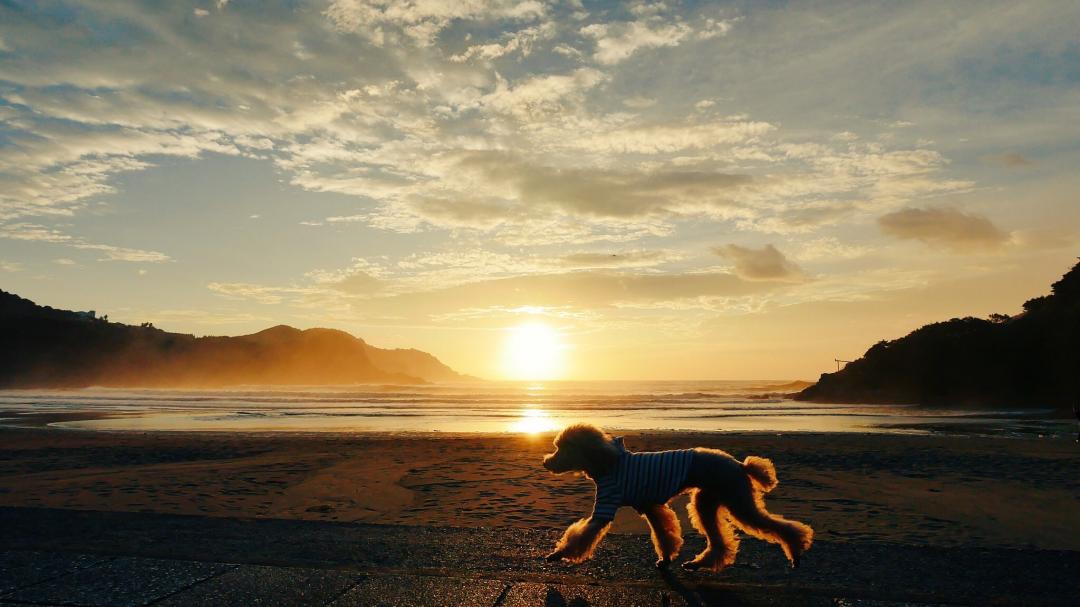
x,y
1008,425
709,407
956,427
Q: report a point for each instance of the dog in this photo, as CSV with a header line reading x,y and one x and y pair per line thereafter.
x,y
724,494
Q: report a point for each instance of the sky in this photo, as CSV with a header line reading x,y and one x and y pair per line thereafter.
x,y
673,190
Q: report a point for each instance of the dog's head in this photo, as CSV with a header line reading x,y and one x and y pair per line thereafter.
x,y
583,448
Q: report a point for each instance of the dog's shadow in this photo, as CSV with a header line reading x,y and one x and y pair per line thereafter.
x,y
555,598
675,584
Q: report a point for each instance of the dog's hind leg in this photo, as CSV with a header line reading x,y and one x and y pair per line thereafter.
x,y
748,510
666,532
712,521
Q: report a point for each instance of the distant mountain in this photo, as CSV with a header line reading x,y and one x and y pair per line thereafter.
x,y
41,347
1029,360
412,362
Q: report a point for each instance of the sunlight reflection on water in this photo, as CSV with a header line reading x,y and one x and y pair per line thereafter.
x,y
533,421
497,407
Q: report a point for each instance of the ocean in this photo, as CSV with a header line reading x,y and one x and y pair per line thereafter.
x,y
499,407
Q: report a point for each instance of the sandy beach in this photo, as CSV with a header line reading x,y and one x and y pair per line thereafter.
x,y
915,490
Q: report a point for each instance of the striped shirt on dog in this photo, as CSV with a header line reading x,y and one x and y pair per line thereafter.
x,y
640,479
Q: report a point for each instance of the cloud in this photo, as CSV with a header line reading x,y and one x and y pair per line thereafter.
x,y
407,132
639,102
359,282
267,295
460,117
829,248
1012,160
124,254
579,290
617,42
10,266
362,277
1036,239
541,95
39,233
353,281
33,232
764,264
574,293
668,138
531,203
597,288
603,193
439,285
521,41
801,217
944,227
464,212
421,21
626,259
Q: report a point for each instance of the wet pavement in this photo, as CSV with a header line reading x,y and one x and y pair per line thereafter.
x,y
63,557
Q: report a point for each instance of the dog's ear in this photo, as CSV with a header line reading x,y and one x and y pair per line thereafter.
x,y
601,451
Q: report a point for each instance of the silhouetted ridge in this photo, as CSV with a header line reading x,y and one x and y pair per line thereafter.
x,y
44,347
1029,360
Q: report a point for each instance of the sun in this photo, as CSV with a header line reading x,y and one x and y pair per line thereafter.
x,y
532,350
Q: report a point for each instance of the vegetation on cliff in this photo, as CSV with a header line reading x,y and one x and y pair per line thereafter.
x,y
1030,360
45,347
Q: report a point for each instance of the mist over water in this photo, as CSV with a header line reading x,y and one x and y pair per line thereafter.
x,y
498,407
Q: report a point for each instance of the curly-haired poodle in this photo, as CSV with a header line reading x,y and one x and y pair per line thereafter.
x,y
724,493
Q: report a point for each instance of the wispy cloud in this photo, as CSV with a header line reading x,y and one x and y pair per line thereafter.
x,y
268,295
520,42
617,42
39,233
10,266
624,259
421,22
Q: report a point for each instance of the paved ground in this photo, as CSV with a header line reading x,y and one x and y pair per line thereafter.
x,y
57,557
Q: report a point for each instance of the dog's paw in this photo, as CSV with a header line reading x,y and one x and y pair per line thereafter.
x,y
692,565
662,563
551,557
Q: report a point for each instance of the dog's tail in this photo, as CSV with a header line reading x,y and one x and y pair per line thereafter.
x,y
762,472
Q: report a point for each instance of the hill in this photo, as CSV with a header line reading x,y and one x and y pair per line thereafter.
x,y
42,347
1030,360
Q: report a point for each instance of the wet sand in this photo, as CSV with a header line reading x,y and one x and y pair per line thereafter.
x,y
915,490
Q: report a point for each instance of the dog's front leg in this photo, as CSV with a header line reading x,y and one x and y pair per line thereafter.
x,y
666,532
580,540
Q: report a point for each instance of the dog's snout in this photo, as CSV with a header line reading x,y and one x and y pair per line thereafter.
x,y
553,463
